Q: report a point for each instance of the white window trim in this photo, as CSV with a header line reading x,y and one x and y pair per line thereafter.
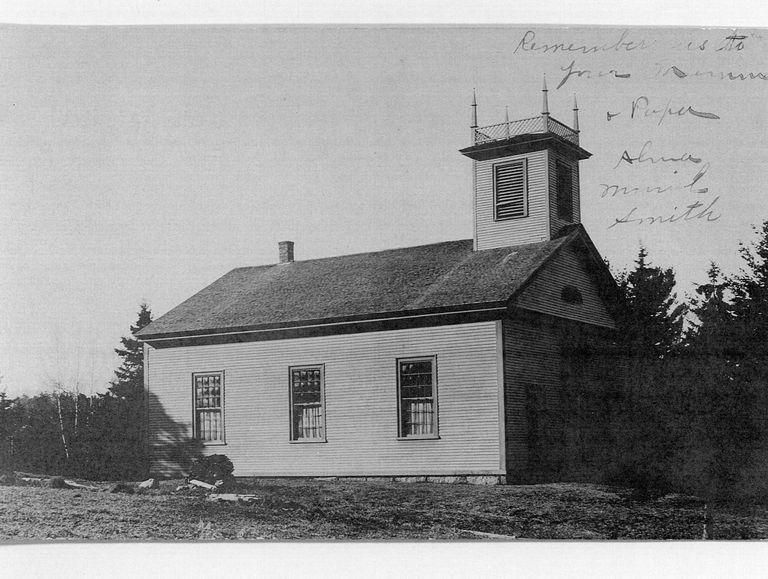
x,y
291,439
435,418
223,440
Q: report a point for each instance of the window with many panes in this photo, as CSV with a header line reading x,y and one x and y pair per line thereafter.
x,y
510,190
306,392
209,407
564,192
417,397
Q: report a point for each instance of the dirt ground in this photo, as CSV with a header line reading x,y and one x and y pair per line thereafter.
x,y
343,510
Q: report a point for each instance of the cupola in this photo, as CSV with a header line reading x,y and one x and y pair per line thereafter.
x,y
525,175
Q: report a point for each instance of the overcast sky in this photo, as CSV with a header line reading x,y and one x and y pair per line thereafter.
x,y
142,163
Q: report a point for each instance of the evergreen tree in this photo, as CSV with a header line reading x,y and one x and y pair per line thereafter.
x,y
750,299
651,322
9,422
747,403
711,332
722,382
124,413
700,405
129,377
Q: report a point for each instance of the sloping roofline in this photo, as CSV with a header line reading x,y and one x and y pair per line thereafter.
x,y
418,308
607,286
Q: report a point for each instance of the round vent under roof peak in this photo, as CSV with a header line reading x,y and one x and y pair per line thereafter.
x,y
571,295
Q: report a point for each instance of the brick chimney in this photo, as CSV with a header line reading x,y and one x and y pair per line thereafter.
x,y
286,251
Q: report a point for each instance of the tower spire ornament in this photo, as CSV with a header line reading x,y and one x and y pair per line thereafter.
x,y
575,114
512,204
474,110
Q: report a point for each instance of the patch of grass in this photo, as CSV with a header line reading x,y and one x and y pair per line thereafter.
x,y
322,510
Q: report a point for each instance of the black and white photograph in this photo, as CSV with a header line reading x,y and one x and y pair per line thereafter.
x,y
482,283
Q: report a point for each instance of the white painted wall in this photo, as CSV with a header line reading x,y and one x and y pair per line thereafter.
x,y
360,403
530,229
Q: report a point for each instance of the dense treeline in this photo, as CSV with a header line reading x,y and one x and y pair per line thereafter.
x,y
100,437
691,414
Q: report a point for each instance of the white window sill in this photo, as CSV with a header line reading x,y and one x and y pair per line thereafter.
x,y
317,441
419,437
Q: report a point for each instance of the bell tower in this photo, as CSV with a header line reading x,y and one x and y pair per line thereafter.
x,y
525,176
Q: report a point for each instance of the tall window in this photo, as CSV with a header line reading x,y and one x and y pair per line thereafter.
x,y
564,192
417,396
510,190
307,419
209,407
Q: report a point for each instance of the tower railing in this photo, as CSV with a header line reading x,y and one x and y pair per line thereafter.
x,y
532,125
562,130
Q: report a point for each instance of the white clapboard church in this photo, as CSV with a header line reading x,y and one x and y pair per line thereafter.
x,y
461,360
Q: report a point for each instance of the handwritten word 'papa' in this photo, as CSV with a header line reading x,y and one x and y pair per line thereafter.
x,y
642,108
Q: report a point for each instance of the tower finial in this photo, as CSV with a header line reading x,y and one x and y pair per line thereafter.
x,y
474,110
545,103
575,114
506,120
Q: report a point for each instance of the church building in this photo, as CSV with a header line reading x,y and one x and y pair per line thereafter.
x,y
467,360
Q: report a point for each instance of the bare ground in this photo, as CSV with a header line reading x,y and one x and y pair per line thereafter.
x,y
327,510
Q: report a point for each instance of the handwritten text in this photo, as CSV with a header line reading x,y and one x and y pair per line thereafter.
x,y
693,187
528,44
570,71
666,69
642,108
644,156
707,214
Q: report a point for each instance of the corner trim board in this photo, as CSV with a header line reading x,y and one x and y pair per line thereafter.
x,y
500,381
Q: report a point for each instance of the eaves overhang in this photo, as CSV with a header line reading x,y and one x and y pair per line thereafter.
x,y
521,144
495,308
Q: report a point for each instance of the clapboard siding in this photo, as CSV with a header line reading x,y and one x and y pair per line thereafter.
x,y
360,403
559,380
532,366
556,223
543,294
530,229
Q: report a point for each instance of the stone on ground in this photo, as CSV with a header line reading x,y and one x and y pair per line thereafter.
x,y
150,483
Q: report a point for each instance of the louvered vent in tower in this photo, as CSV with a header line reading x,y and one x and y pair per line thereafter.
x,y
510,190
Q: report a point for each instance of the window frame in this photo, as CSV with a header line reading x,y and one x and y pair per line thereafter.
x,y
561,199
195,428
291,438
435,435
495,167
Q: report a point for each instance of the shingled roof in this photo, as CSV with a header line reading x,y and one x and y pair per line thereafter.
x,y
447,276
